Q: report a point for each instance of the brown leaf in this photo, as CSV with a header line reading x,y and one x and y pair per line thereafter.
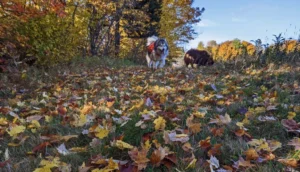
x,y
205,144
187,147
239,132
195,128
291,125
139,157
128,168
217,131
215,150
243,163
41,147
157,155
62,110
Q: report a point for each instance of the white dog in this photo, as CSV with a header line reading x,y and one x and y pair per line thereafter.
x,y
157,52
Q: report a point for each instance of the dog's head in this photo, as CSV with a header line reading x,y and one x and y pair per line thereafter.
x,y
161,46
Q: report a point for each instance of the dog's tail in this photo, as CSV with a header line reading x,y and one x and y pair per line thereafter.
x,y
151,39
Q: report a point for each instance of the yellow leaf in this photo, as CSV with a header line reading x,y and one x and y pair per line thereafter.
x,y
43,169
240,124
48,118
3,121
199,114
160,123
14,131
291,115
260,110
87,108
80,120
192,164
122,145
297,108
78,149
34,124
101,132
147,145
112,166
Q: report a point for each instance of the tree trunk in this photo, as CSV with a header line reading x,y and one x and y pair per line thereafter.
x,y
117,29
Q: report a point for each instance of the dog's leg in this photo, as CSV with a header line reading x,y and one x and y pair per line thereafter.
x,y
156,64
148,60
162,63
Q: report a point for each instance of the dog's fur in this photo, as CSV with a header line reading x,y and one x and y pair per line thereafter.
x,y
199,57
157,52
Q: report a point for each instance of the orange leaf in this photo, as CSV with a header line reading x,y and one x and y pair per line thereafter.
x,y
217,131
290,162
62,110
204,144
251,154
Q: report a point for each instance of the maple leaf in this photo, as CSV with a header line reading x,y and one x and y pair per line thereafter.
x,y
14,130
139,157
157,156
251,154
217,131
101,132
87,108
205,144
51,162
160,123
193,127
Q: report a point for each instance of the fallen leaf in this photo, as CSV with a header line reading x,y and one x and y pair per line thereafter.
x,y
123,145
295,142
290,162
251,154
160,123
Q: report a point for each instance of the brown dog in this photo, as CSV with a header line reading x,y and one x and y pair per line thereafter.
x,y
199,57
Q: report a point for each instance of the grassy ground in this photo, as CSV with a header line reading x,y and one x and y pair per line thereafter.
x,y
231,113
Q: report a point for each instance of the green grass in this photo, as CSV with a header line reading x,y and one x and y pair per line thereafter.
x,y
86,78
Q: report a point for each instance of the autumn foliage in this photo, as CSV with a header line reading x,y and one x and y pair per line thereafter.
x,y
55,31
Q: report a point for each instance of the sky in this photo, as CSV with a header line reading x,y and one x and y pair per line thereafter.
x,y
246,20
